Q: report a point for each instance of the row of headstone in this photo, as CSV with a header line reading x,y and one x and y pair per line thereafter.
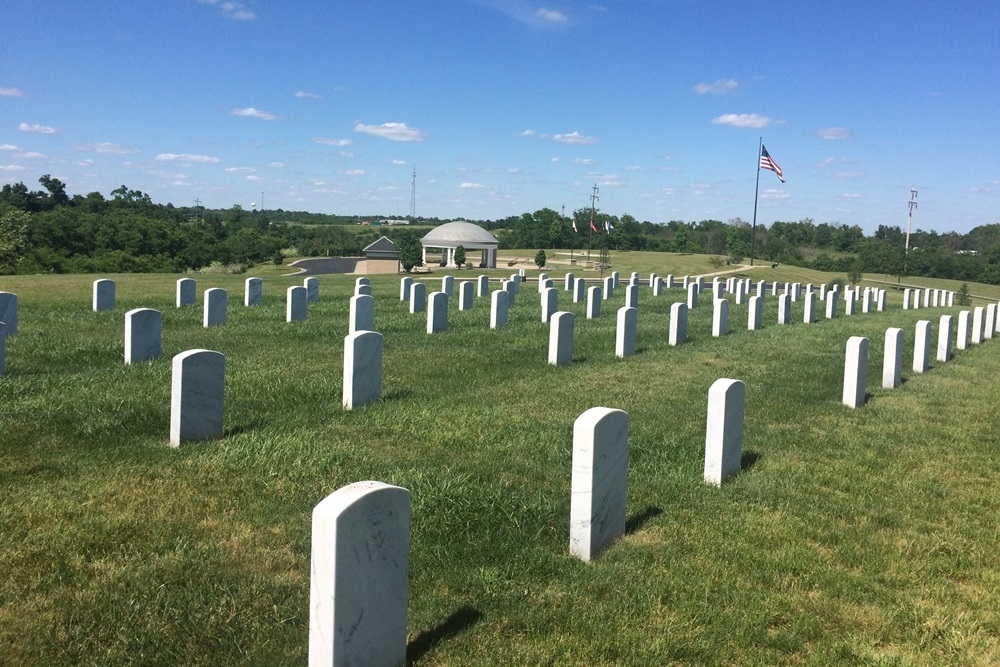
x,y
916,298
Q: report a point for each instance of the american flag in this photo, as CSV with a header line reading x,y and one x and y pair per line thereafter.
x,y
767,162
574,226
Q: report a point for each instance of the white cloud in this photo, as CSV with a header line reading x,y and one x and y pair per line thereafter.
x,y
554,160
354,172
391,131
550,15
239,170
31,156
302,94
276,165
850,195
826,162
528,133
332,142
8,147
107,147
584,161
469,186
575,138
720,87
253,178
634,167
39,129
231,9
834,133
11,167
186,157
347,154
250,112
399,162
742,120
11,92
774,194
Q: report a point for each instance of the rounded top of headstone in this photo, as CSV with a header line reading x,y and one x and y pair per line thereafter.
x,y
458,233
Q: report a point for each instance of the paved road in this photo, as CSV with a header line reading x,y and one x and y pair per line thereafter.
x,y
326,265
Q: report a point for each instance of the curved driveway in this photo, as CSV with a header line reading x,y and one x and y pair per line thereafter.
x,y
325,265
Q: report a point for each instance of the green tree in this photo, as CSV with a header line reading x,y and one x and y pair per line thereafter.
x,y
410,250
540,259
962,295
13,238
460,256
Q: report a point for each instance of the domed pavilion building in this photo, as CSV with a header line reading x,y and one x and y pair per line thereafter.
x,y
450,235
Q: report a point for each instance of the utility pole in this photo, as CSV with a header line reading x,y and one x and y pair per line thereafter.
x,y
197,210
413,194
909,219
593,204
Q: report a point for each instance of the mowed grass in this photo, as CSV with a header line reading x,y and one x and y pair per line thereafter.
x,y
864,537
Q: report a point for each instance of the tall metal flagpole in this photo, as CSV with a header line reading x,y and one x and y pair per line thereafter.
x,y
756,189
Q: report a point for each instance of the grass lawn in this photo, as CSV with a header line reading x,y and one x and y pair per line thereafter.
x,y
858,537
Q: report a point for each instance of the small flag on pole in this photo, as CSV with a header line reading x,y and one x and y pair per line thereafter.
x,y
592,227
608,226
575,230
767,162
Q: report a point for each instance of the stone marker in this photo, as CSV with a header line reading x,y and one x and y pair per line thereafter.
x,y
724,430
186,294
849,302
692,302
465,295
964,324
362,290
437,312
720,318
977,324
312,289
809,309
8,312
755,313
785,307
632,296
358,576
550,303
831,305
418,298
561,338
922,347
214,313
717,290
990,324
678,323
880,307
569,281
657,287
405,284
906,299
498,309
362,314
253,291
615,278
594,298
542,277
944,339
362,368
668,282
104,295
295,303
609,287
197,387
483,286
866,301
625,333
363,280
579,290
142,335
855,371
892,362
448,285
3,349
599,478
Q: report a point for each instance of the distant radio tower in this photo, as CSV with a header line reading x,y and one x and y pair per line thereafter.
x,y
909,219
413,194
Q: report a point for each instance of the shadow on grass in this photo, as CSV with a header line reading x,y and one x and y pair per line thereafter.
x,y
397,394
463,619
748,460
637,521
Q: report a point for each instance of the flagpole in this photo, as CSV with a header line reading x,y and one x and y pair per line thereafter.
x,y
756,189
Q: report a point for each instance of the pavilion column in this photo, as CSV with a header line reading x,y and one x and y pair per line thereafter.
x,y
424,250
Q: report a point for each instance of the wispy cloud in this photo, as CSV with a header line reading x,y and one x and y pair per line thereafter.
x,y
834,133
31,155
720,87
250,112
38,129
302,94
332,142
774,194
391,131
584,161
239,170
528,133
107,148
11,167
830,161
575,138
470,186
11,92
8,147
231,9
187,157
354,172
550,15
850,195
399,162
742,120
527,13
276,165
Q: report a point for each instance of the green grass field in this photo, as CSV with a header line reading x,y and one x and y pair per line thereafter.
x,y
852,537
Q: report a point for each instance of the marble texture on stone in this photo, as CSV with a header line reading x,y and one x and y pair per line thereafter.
x,y
362,290
755,313
809,308
312,289
561,338
498,309
253,291
831,305
625,331
482,286
990,323
632,296
599,480
849,302
437,312
579,290
418,298
143,340
550,302
609,287
785,307
568,281
692,301
448,285
944,339
678,323
362,313
466,295
295,303
104,295
977,325
855,372
362,368
964,324
594,299
197,388
214,313
724,430
892,362
922,347
405,284
186,292
358,577
720,318
8,312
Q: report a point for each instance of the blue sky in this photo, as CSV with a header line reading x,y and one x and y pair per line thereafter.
x,y
507,106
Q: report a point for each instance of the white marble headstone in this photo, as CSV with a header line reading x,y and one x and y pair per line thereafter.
x,y
465,295
944,338
362,313
678,323
418,298
724,430
142,335
197,389
720,318
977,324
550,302
214,313
104,295
405,283
561,338
892,362
296,303
362,368
692,301
922,347
312,289
483,286
855,372
253,291
498,309
594,299
579,290
186,292
964,324
632,296
599,478
625,332
437,312
448,285
8,312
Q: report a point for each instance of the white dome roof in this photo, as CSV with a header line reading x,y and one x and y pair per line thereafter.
x,y
459,233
